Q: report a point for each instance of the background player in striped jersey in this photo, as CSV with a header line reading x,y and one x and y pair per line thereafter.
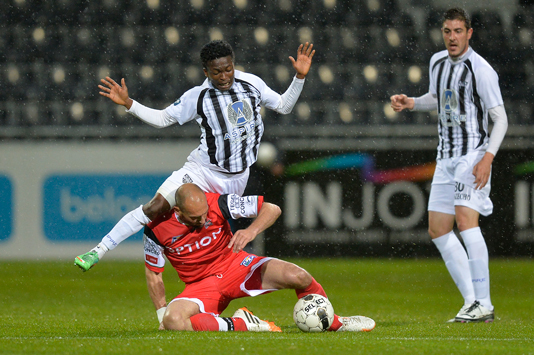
x,y
197,240
227,108
465,90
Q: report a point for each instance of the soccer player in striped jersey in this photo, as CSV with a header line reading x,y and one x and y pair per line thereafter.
x,y
196,239
464,89
227,108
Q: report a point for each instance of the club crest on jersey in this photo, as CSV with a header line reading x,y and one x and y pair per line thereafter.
x,y
448,113
239,113
247,260
208,223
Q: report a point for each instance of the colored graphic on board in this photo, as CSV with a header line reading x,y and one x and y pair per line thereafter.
x,y
6,208
524,168
86,207
366,164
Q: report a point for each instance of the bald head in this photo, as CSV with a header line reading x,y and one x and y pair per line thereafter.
x,y
191,205
189,195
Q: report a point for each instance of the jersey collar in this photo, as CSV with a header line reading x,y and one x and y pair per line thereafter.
x,y
461,58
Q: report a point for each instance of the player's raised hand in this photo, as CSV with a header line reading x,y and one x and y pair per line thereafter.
x,y
304,59
401,102
117,93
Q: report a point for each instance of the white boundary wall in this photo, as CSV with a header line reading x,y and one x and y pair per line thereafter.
x,y
27,165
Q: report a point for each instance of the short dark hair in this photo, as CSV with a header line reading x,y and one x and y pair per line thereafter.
x,y
214,50
457,13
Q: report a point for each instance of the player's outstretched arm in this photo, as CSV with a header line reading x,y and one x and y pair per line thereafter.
x,y
156,290
401,102
303,62
115,92
269,213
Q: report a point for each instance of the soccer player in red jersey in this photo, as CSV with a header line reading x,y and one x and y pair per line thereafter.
x,y
196,239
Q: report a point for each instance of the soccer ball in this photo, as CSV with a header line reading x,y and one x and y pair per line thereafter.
x,y
313,313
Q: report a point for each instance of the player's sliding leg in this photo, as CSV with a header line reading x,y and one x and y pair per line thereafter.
x,y
340,324
253,323
242,321
128,225
279,274
183,314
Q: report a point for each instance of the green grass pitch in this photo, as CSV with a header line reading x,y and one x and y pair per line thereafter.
x,y
54,308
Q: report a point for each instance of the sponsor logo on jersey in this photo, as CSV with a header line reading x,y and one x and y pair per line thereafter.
x,y
241,133
242,205
150,246
247,260
177,102
196,245
449,105
151,259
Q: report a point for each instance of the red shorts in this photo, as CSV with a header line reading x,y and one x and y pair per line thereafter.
x,y
214,293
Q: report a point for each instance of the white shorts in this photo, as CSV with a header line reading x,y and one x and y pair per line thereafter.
x,y
454,185
207,179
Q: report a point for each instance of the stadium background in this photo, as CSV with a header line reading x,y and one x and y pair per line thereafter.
x,y
71,162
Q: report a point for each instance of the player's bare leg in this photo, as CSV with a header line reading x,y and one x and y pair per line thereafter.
x,y
178,313
279,274
185,315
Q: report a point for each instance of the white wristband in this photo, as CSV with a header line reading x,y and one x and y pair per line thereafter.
x,y
160,312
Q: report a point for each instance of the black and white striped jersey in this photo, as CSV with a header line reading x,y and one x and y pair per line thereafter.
x,y
230,121
465,90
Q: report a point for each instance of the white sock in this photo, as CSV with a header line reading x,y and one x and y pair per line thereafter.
x,y
130,224
455,257
224,324
478,263
100,249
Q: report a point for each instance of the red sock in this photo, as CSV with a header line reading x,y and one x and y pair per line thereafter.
x,y
314,287
203,322
239,325
336,324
